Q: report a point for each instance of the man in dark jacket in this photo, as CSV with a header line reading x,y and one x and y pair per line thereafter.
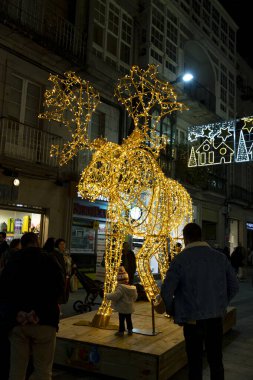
x,y
197,290
32,283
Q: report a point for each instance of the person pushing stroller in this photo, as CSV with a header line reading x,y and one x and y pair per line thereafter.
x,y
123,299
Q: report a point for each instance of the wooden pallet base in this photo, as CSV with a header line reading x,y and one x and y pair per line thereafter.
x,y
140,356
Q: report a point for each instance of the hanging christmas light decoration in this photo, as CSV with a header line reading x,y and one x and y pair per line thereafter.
x,y
224,142
141,200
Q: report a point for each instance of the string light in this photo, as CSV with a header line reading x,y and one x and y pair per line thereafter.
x,y
129,176
71,101
218,143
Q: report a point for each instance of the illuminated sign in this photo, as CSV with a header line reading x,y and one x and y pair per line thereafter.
x,y
221,143
249,226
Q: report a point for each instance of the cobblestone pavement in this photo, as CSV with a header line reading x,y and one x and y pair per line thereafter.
x,y
238,343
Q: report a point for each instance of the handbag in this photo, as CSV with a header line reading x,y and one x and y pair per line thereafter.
x,y
73,283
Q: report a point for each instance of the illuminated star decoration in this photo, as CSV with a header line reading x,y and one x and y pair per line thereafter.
x,y
130,177
192,136
248,123
206,132
224,134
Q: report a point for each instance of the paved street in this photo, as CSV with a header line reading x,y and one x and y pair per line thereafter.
x,y
238,343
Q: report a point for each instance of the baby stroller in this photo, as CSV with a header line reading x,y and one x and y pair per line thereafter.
x,y
93,288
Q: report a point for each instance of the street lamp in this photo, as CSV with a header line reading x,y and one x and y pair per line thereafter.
x,y
186,78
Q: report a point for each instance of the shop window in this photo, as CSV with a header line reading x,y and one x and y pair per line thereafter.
x,y
16,223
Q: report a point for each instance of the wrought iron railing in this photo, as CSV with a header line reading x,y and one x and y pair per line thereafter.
x,y
22,142
240,194
42,24
200,93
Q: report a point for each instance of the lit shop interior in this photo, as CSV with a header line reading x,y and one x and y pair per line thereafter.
x,y
15,223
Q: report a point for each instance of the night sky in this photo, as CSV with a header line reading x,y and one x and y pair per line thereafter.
x,y
242,15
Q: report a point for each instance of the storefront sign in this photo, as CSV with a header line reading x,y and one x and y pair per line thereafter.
x,y
90,211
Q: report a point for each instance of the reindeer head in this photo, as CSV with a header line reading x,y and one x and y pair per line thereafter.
x,y
101,176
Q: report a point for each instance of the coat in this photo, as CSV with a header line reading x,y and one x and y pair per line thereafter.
x,y
199,284
123,298
33,280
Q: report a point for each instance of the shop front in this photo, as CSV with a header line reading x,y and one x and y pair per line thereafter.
x,y
87,244
18,219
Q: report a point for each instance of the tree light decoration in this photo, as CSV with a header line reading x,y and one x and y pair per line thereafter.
x,y
129,176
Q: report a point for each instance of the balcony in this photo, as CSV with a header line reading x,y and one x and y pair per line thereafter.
x,y
43,25
201,94
24,146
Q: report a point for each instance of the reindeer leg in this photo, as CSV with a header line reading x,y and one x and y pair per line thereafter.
x,y
114,241
149,249
162,257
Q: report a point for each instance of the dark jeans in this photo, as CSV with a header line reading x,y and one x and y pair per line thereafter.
x,y
122,318
205,333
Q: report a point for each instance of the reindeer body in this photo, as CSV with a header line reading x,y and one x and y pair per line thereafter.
x,y
118,173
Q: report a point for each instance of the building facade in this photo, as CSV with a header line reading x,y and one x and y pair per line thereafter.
x,y
100,40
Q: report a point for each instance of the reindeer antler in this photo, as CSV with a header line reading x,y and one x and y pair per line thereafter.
x,y
71,101
141,92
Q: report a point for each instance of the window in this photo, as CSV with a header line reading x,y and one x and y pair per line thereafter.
x,y
207,5
157,19
24,100
171,32
172,17
112,34
223,95
112,44
125,53
171,67
98,35
171,51
216,16
157,56
157,38
97,128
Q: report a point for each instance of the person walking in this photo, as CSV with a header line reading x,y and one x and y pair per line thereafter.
x,y
65,260
128,261
32,283
198,287
123,299
238,257
4,249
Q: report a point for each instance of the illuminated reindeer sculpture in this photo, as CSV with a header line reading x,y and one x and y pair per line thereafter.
x,y
141,200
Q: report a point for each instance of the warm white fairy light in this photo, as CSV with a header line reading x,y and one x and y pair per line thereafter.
x,y
129,176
